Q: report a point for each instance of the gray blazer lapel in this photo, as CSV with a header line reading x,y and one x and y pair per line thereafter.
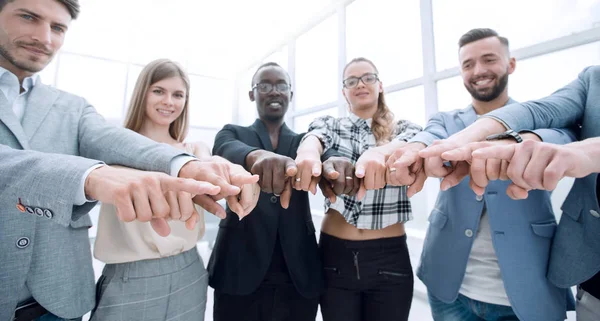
x,y
467,116
40,100
8,117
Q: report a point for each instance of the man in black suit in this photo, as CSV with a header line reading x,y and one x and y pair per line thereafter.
x,y
266,266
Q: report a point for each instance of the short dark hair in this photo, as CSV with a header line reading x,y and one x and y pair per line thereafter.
x,y
71,5
265,65
478,34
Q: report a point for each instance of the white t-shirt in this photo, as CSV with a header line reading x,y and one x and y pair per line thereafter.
x,y
483,280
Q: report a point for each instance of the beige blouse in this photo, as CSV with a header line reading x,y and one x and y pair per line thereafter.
x,y
120,242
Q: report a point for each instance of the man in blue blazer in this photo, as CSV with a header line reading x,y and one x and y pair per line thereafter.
x,y
575,255
485,256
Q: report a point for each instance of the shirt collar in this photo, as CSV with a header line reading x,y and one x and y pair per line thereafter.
x,y
8,79
359,121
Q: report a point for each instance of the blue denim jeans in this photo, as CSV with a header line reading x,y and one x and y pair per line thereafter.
x,y
465,309
52,317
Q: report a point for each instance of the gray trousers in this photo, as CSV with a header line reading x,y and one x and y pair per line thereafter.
x,y
166,289
588,307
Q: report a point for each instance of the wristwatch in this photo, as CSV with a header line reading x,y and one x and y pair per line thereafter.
x,y
507,134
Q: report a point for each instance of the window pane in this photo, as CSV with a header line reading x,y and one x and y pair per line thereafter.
x,y
408,104
301,123
317,65
528,81
280,57
524,23
452,94
210,102
48,75
206,136
246,109
371,23
132,76
101,82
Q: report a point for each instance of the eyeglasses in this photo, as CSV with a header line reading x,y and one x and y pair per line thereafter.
x,y
367,79
265,87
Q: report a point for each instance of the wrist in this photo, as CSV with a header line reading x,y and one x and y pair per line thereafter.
x,y
416,146
91,181
254,156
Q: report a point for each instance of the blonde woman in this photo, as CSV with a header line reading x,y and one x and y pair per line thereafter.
x,y
363,242
148,276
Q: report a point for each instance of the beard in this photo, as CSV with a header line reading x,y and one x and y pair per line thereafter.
x,y
31,65
492,94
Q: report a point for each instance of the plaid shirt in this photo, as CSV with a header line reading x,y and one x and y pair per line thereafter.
x,y
350,137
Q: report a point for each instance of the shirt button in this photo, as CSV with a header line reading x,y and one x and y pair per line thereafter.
x,y
48,213
273,199
479,198
39,211
594,214
469,233
23,242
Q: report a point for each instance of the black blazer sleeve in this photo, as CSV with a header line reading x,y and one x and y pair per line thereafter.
x,y
228,145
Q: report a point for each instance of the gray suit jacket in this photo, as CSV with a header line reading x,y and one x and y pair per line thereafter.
x,y
575,255
42,163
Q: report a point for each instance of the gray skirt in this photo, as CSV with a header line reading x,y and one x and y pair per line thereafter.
x,y
166,289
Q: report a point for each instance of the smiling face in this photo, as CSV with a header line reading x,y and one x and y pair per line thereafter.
x,y
363,94
485,66
273,104
31,32
165,101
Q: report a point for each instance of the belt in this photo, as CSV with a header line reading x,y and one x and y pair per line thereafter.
x,y
29,310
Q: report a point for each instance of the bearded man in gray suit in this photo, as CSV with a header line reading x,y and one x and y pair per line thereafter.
x,y
55,152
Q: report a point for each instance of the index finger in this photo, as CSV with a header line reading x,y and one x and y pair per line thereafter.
x,y
194,187
504,152
436,149
329,170
243,179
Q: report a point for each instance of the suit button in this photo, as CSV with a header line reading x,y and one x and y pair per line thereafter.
x,y
273,199
23,242
48,214
39,211
469,232
479,198
29,209
594,214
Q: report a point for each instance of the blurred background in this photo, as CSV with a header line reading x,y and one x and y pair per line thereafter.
x,y
412,42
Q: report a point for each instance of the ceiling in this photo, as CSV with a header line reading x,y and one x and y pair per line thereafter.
x,y
214,38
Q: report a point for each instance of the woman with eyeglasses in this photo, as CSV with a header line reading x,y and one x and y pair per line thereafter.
x,y
363,243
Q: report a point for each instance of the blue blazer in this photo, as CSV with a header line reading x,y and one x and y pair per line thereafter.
x,y
575,255
521,231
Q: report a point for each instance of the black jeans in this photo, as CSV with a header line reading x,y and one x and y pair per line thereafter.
x,y
366,280
268,303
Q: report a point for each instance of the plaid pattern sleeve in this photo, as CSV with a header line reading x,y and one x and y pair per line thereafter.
x,y
350,137
322,128
406,130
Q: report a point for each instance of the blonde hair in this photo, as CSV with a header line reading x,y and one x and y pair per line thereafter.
x,y
154,72
382,123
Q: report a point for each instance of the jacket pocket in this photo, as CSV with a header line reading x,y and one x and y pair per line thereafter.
x,y
544,229
83,222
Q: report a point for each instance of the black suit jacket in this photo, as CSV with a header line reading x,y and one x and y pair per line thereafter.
x,y
243,249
